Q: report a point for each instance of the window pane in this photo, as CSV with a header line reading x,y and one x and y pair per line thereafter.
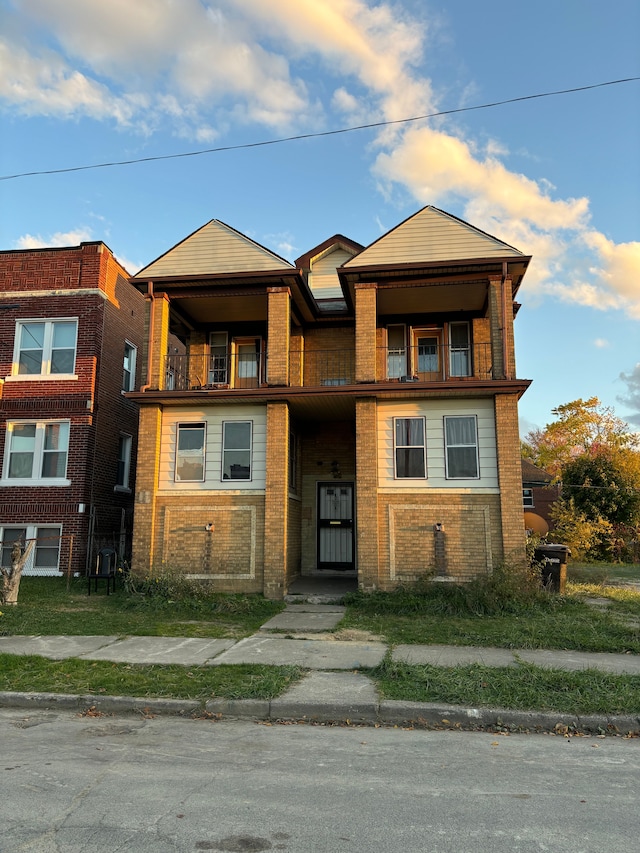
x,y
32,336
409,431
410,462
62,360
237,465
237,436
462,462
56,436
30,362
11,535
459,335
190,437
23,441
190,452
64,336
461,430
47,547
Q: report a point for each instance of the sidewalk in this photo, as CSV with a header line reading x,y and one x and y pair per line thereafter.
x,y
333,691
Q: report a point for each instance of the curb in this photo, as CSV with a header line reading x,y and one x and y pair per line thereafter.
x,y
384,713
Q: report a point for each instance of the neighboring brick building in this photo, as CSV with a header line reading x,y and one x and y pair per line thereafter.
x,y
355,412
71,326
539,494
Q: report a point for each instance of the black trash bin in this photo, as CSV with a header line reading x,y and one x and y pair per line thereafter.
x,y
552,559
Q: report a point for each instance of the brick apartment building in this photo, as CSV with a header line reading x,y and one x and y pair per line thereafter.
x,y
71,326
354,412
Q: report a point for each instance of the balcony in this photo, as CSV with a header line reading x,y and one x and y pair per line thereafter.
x,y
434,361
429,361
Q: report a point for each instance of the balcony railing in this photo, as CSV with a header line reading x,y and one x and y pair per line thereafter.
x,y
235,370
324,368
435,362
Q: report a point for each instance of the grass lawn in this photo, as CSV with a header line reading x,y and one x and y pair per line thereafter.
x,y
47,607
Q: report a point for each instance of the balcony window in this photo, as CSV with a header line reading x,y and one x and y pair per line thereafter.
x,y
459,350
219,358
396,352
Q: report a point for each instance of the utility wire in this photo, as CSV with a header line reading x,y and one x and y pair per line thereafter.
x,y
317,135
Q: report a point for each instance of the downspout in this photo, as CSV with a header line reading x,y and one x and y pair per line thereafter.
x,y
505,354
150,297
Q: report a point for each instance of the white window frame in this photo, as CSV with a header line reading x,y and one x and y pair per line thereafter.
x,y
129,375
39,453
456,351
125,442
527,498
219,359
191,425
47,350
397,447
226,450
452,447
31,532
397,355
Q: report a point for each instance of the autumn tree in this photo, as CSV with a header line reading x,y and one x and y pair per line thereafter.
x,y
582,427
605,484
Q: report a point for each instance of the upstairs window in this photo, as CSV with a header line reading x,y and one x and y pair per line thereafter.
x,y
459,349
409,447
36,452
45,348
190,453
461,442
236,450
129,367
527,498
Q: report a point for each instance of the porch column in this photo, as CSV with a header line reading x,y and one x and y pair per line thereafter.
x,y
366,316
148,463
510,478
501,320
197,352
276,501
367,494
158,340
278,335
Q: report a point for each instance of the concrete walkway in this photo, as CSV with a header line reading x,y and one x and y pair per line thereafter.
x,y
334,690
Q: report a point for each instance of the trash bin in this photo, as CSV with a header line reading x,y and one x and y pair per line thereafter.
x,y
552,559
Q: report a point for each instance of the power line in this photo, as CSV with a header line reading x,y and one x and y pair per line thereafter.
x,y
317,135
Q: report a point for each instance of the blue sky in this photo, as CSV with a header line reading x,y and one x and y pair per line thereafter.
x,y
83,82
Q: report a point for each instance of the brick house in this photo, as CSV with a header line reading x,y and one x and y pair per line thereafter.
x,y
539,493
71,326
354,412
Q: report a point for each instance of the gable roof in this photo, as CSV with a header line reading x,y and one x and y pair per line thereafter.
x,y
214,249
429,236
532,474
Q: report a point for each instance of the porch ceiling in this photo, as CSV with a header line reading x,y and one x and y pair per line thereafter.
x,y
423,297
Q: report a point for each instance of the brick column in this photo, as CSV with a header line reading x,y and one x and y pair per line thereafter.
x,y
367,493
501,321
144,522
510,478
366,316
276,509
159,330
278,335
198,368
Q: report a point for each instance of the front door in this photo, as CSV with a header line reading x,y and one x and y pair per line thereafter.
x,y
427,351
335,526
247,363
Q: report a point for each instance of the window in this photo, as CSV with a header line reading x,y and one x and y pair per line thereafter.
x,y
409,443
527,498
236,450
459,350
190,449
396,352
218,353
36,452
461,442
45,557
45,348
124,462
129,367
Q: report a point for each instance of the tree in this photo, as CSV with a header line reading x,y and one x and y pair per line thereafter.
x,y
11,577
605,484
582,426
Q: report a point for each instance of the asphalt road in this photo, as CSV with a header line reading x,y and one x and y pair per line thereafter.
x,y
71,784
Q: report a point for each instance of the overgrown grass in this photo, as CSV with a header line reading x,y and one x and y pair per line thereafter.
x,y
522,687
35,674
604,573
498,611
47,606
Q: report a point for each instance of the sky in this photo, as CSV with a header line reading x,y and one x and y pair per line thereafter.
x,y
84,83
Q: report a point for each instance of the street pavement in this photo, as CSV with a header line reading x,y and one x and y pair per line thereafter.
x,y
334,688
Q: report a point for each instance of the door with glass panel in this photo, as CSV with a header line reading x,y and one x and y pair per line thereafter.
x,y
247,372
335,526
396,352
427,354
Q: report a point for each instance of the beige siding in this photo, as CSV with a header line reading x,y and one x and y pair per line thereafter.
x,y
214,248
213,418
430,236
323,279
434,411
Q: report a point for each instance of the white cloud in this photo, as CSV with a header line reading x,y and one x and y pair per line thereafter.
x,y
601,343
57,240
632,398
